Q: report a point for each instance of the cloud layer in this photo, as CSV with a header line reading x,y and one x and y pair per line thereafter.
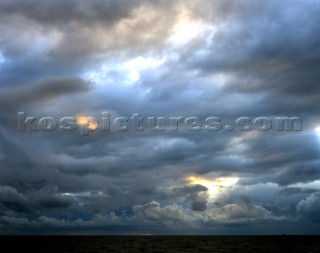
x,y
165,59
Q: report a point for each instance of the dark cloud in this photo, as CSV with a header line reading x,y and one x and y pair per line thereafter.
x,y
310,207
199,201
159,58
63,12
302,173
190,189
13,200
196,194
295,190
13,99
34,201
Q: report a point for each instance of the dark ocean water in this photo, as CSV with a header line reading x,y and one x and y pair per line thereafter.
x,y
159,244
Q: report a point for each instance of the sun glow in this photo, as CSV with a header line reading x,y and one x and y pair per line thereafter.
x,y
185,29
318,131
87,121
214,186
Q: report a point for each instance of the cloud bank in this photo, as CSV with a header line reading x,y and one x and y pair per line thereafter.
x,y
160,58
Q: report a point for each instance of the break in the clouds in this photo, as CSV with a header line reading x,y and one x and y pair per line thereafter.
x,y
197,58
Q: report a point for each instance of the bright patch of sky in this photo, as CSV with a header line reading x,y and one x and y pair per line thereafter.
x,y
187,29
2,59
310,185
126,73
215,186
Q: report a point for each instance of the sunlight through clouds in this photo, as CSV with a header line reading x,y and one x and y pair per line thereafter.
x,y
215,186
87,121
126,73
174,66
186,28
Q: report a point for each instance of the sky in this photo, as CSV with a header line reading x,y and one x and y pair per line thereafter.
x,y
161,58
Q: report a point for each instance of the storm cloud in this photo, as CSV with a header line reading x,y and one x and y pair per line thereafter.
x,y
202,59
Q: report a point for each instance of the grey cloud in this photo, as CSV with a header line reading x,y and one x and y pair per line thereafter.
x,y
295,190
261,59
34,201
108,222
310,207
70,37
63,12
50,198
16,98
199,201
239,214
13,200
302,173
190,189
175,215
195,194
268,52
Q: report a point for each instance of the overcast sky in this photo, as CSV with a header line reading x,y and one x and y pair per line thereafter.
x,y
191,58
